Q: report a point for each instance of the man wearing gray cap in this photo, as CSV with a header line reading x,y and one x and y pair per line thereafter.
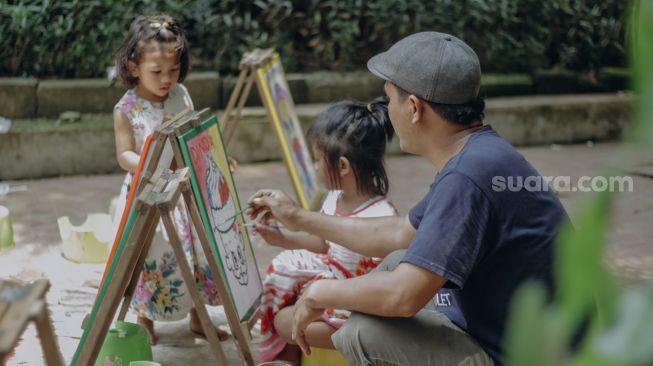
x,y
468,235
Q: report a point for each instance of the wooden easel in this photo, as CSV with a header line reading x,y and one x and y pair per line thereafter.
x,y
152,189
248,65
240,331
20,304
170,132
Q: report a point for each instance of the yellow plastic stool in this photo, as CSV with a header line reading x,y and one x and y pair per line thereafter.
x,y
89,242
324,357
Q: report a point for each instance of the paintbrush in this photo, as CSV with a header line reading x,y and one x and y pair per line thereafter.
x,y
236,214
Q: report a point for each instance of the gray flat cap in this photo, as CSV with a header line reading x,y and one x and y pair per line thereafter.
x,y
437,67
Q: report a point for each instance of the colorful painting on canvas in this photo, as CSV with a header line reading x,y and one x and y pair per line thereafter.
x,y
278,100
215,193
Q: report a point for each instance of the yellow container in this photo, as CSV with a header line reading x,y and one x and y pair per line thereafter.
x,y
6,229
89,242
324,357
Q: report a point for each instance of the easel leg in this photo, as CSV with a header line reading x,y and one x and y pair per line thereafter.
x,y
228,134
242,340
115,291
205,320
235,94
137,272
47,336
244,327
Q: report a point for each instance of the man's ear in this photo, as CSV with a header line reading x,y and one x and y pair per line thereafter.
x,y
416,108
344,166
133,69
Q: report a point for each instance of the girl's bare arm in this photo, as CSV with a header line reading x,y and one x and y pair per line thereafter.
x,y
125,144
286,240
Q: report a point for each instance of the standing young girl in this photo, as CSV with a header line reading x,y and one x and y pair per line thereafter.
x,y
348,141
151,61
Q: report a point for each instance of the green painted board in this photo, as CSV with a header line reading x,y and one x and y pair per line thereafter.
x,y
215,192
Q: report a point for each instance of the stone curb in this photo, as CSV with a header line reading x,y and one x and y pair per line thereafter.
x,y
37,149
18,97
29,98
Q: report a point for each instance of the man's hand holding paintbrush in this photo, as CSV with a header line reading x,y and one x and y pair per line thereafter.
x,y
267,205
273,210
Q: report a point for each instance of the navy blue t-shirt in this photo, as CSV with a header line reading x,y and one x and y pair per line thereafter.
x,y
485,235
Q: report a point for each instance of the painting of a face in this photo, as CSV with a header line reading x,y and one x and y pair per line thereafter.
x,y
222,207
215,193
224,220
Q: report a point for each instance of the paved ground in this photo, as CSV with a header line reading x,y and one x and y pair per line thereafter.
x,y
37,252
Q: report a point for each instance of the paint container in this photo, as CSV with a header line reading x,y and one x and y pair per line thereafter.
x,y
127,342
6,229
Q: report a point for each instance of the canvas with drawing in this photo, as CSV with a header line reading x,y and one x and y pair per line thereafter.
x,y
273,87
215,193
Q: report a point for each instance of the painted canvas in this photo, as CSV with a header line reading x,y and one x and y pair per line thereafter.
x,y
278,100
215,193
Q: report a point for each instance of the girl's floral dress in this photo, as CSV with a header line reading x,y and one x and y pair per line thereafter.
x,y
161,293
292,270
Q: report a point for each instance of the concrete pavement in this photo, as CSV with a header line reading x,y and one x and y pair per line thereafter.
x,y
38,246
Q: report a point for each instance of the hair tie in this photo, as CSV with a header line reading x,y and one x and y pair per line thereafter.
x,y
372,114
157,25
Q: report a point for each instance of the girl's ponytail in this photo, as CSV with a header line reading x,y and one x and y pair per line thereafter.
x,y
379,110
360,133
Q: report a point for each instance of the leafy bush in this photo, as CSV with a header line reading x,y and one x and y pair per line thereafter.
x,y
77,38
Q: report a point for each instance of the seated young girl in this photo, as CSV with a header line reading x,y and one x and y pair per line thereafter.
x,y
348,141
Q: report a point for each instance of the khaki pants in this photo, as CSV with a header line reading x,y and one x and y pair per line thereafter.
x,y
428,338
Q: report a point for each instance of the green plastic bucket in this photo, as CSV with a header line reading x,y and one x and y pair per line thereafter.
x,y
125,343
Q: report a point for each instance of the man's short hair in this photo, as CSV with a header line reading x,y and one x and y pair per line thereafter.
x,y
462,114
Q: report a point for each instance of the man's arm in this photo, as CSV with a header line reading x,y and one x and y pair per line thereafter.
x,y
369,236
398,293
372,237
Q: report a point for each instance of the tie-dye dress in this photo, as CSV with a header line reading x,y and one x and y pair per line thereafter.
x,y
292,270
161,293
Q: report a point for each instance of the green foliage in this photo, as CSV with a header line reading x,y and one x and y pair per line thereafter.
x,y
641,60
584,285
620,322
57,38
534,332
75,38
